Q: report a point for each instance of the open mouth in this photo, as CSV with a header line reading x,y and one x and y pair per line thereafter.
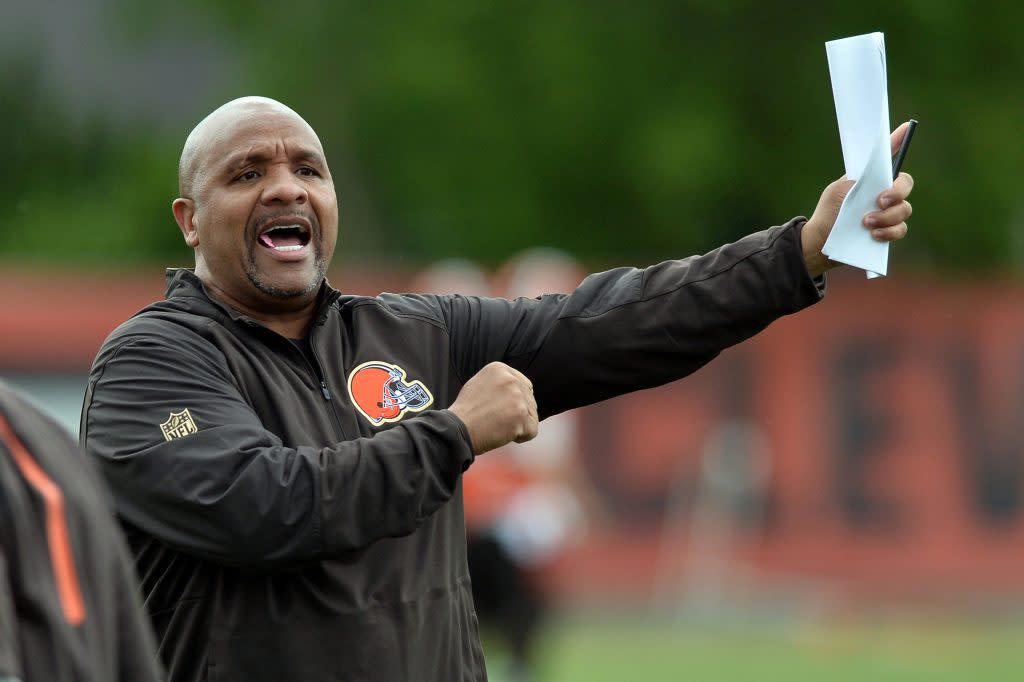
x,y
284,238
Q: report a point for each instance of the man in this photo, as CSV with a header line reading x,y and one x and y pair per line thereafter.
x,y
287,460
69,604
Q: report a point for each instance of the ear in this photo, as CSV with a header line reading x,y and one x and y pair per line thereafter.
x,y
185,214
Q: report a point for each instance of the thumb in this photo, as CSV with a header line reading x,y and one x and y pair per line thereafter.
x,y
833,196
819,225
896,138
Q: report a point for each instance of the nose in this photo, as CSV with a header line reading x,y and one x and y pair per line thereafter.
x,y
283,187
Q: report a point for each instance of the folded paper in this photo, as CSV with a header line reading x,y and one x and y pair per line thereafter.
x,y
859,87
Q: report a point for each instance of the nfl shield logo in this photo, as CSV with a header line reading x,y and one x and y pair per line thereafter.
x,y
178,424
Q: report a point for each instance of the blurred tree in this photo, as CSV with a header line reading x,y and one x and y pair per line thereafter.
x,y
621,132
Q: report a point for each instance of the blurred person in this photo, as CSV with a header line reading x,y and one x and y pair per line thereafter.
x,y
69,602
453,276
523,503
287,460
520,510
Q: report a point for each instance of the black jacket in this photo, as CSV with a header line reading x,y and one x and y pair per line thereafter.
x,y
282,532
69,603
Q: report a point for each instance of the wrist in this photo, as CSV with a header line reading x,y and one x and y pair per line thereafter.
x,y
818,264
811,244
467,432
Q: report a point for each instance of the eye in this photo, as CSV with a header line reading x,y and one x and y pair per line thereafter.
x,y
248,175
308,172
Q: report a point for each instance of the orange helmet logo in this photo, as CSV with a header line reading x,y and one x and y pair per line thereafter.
x,y
382,393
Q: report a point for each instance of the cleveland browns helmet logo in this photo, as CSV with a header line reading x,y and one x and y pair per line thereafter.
x,y
382,393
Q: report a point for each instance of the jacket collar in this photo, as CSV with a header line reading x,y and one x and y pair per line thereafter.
x,y
184,283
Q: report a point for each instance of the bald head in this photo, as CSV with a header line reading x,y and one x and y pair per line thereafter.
x,y
258,207
202,143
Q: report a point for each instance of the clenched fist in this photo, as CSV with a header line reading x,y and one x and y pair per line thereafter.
x,y
498,407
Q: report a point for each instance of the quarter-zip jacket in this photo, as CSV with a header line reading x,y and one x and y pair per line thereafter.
x,y
280,534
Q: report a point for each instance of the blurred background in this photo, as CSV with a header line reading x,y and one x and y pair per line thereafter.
x,y
840,498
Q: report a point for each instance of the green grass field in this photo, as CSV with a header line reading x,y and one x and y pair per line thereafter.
x,y
585,651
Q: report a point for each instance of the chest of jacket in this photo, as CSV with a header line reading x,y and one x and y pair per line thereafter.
x,y
367,370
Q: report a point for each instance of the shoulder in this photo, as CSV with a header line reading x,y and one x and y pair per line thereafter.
x,y
17,409
28,428
423,307
170,324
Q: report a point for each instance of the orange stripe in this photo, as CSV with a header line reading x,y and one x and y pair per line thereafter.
x,y
56,526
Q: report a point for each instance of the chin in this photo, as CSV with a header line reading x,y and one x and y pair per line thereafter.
x,y
286,288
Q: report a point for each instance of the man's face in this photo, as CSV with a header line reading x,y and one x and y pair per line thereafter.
x,y
265,211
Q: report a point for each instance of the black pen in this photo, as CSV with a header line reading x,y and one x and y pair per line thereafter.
x,y
897,163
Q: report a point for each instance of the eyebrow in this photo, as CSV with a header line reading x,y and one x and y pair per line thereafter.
x,y
258,156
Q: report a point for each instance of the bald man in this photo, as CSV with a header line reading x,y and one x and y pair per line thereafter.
x,y
286,460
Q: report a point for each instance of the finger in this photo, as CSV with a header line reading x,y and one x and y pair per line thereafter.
x,y
522,377
495,366
893,215
840,188
904,183
890,234
901,189
531,430
529,433
526,392
896,138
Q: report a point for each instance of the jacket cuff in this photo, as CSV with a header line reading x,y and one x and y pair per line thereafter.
x,y
465,452
820,283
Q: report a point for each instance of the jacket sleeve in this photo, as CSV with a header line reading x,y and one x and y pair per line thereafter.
x,y
628,329
231,492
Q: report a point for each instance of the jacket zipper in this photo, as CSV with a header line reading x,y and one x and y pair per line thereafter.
x,y
318,373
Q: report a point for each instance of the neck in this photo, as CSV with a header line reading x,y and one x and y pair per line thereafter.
x,y
290,318
293,324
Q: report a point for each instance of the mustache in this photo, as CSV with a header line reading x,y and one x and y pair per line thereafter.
x,y
257,224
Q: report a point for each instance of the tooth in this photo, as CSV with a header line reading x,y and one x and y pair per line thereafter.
x,y
295,247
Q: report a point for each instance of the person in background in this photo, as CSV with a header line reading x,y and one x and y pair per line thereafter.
x,y
525,505
521,502
69,600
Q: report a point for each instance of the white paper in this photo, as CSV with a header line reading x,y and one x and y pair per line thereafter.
x,y
859,87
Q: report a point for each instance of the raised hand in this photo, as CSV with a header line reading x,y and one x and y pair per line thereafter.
x,y
886,224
